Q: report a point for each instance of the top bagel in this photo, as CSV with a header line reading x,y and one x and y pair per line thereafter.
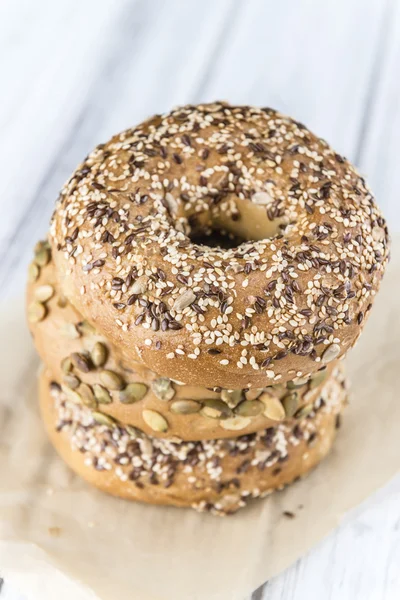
x,y
294,292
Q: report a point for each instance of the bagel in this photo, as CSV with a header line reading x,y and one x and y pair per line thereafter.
x,y
63,339
219,476
307,246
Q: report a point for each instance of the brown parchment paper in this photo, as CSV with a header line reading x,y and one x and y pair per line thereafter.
x,y
61,539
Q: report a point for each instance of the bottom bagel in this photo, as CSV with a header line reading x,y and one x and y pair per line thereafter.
x,y
219,476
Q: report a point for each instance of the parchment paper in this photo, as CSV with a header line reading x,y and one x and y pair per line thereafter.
x,y
61,539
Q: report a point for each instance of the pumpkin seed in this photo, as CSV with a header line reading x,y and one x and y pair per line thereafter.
x,y
330,353
42,257
273,407
262,198
378,233
85,328
71,381
292,385
154,420
175,439
184,300
133,393
66,365
88,398
235,423
43,293
134,432
185,407
72,395
33,272
279,390
249,408
317,378
40,245
102,395
146,447
290,403
99,354
178,382
304,411
139,286
103,419
81,361
36,312
215,409
112,380
70,331
232,397
171,202
309,396
121,365
253,393
162,388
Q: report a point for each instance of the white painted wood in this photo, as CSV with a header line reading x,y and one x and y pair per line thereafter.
x,y
9,593
358,561
310,59
72,72
379,154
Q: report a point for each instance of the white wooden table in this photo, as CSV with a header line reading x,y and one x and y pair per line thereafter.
x,y
72,72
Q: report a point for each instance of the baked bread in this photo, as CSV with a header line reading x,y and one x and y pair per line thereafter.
x,y
293,295
204,274
90,370
218,476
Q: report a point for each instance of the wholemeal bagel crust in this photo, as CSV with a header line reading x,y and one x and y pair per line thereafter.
x,y
296,292
218,475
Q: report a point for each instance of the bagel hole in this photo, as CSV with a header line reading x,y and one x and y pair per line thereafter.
x,y
216,238
216,229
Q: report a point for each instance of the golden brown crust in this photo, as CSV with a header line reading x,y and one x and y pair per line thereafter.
x,y
61,336
268,309
219,475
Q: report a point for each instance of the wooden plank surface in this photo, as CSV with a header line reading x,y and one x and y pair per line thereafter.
x,y
72,72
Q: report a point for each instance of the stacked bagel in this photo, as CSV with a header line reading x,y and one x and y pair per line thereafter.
x,y
203,277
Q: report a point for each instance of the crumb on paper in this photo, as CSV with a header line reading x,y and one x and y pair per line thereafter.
x,y
54,531
49,491
90,524
288,514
